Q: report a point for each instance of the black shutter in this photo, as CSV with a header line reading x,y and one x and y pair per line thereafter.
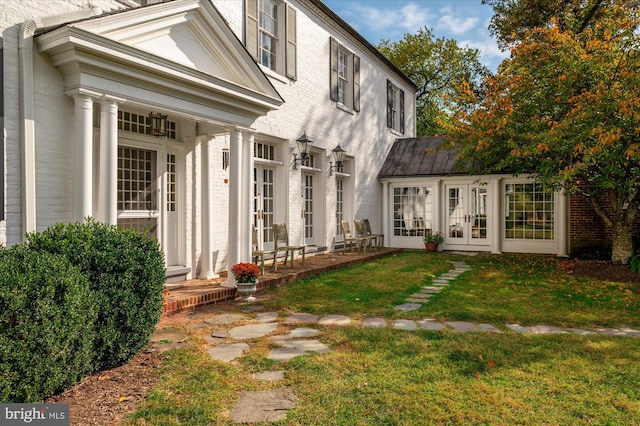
x,y
389,104
356,83
402,111
333,64
251,28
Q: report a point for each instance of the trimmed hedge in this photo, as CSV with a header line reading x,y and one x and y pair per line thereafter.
x,y
126,275
46,317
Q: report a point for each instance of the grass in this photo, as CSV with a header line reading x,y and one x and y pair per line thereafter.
x,y
392,377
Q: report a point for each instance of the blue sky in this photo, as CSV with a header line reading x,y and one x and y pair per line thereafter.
x,y
465,21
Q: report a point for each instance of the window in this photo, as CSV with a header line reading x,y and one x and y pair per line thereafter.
x,y
345,76
395,107
270,35
137,123
339,205
529,212
412,210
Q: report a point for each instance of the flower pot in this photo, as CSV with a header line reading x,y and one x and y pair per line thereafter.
x,y
246,291
431,247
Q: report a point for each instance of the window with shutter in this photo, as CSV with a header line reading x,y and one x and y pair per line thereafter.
x,y
270,35
395,107
344,77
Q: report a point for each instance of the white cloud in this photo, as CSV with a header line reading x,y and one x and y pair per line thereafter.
x,y
414,17
455,25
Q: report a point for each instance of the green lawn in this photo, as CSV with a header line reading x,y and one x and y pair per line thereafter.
x,y
392,377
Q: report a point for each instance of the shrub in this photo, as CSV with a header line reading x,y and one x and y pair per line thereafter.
x,y
126,273
46,325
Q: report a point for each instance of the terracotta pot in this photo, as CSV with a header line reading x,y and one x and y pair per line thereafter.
x,y
431,247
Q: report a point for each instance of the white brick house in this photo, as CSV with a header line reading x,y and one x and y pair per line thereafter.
x,y
239,77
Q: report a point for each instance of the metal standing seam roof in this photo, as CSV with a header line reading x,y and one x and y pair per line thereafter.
x,y
422,156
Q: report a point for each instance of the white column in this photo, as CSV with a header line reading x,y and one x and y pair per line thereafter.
x,y
438,208
83,158
247,197
235,204
561,222
385,213
497,216
109,160
207,268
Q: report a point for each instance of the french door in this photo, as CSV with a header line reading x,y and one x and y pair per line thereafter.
x,y
466,218
308,212
264,203
173,194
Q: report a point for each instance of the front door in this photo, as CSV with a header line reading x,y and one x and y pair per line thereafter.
x,y
308,212
466,218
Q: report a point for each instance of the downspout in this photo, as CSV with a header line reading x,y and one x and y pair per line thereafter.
x,y
27,109
27,126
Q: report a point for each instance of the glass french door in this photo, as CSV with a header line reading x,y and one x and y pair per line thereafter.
x,y
466,219
264,203
308,211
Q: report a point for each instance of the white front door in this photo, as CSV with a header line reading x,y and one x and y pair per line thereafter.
x,y
466,218
308,212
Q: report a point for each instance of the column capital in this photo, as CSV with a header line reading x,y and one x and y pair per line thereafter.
x,y
82,92
111,100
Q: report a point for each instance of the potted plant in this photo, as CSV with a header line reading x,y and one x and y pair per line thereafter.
x,y
246,275
432,239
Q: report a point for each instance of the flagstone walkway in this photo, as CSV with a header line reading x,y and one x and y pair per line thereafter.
x,y
233,334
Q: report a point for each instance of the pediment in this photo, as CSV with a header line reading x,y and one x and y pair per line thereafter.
x,y
187,32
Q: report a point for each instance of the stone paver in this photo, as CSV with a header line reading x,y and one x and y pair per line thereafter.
x,y
252,331
407,307
440,281
374,322
546,329
224,319
461,326
227,352
269,376
631,332
519,329
420,295
219,334
431,288
404,325
263,406
335,320
581,331
266,316
302,317
431,325
414,300
611,331
488,328
168,336
296,333
294,348
164,347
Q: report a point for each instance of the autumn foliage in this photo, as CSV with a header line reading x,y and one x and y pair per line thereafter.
x,y
566,107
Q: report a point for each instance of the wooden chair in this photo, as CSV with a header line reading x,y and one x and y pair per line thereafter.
x,y
378,237
281,241
349,238
260,254
362,233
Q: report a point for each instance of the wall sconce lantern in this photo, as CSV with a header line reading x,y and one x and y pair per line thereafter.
x,y
225,158
304,145
157,124
338,157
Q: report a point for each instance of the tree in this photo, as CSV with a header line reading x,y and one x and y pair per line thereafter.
x,y
566,106
512,19
436,66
